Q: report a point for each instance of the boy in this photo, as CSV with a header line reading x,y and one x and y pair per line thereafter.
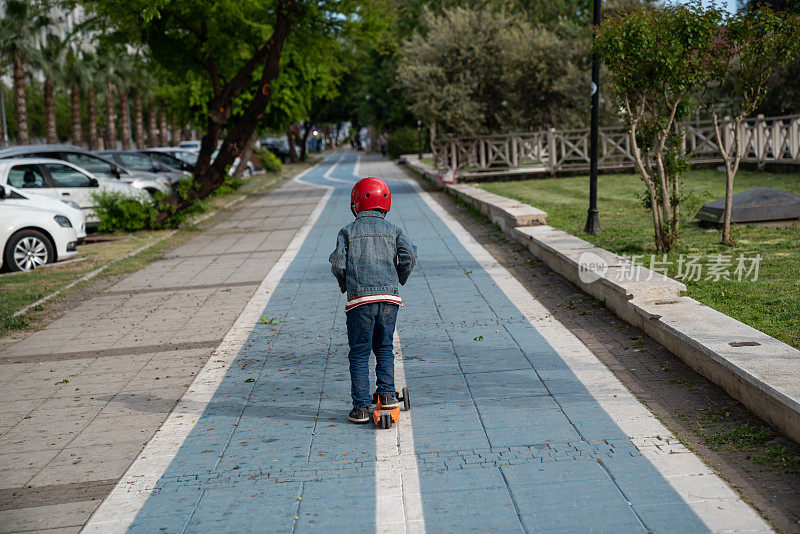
x,y
372,258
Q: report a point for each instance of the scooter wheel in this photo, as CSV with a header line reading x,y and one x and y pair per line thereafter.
x,y
406,400
386,420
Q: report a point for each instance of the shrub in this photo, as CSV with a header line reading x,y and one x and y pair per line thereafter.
x,y
404,141
118,211
269,161
230,185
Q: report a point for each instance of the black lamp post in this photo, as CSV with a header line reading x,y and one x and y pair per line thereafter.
x,y
592,219
419,137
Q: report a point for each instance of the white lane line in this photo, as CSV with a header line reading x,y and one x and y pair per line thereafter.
x,y
711,498
327,175
396,469
119,509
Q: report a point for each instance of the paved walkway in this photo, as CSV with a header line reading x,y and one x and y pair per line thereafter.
x,y
515,425
83,396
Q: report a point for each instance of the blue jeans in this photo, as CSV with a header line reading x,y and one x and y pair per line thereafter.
x,y
370,327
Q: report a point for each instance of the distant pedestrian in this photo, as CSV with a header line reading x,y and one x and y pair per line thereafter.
x,y
372,259
383,140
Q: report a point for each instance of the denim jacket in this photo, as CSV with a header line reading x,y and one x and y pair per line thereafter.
x,y
372,259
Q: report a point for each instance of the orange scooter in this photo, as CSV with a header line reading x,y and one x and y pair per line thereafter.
x,y
385,417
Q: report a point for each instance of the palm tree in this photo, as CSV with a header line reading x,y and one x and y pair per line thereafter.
x,y
92,79
162,120
152,125
141,90
75,74
23,20
106,73
126,71
51,60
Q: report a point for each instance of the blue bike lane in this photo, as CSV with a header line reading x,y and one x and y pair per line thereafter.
x,y
515,427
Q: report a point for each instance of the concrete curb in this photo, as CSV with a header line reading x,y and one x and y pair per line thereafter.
x,y
756,369
503,211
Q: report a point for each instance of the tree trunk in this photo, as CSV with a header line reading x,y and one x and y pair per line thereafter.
x,y
175,135
210,175
91,115
731,158
138,122
245,157
303,146
726,215
75,115
290,139
162,116
125,120
20,102
152,126
50,112
111,124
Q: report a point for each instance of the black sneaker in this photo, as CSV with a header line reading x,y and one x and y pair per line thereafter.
x,y
389,400
359,415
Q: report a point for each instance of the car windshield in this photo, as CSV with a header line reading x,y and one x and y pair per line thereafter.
x,y
188,157
164,158
91,163
137,162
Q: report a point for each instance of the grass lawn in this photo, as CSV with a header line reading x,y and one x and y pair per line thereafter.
x,y
18,290
770,304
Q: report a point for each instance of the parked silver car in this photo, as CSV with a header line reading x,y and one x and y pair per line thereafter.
x,y
139,161
100,167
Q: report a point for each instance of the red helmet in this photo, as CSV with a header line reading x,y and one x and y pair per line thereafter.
x,y
369,194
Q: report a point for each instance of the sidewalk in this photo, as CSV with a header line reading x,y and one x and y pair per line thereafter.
x,y
84,395
515,424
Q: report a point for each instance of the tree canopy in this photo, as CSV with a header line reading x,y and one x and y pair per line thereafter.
x,y
226,57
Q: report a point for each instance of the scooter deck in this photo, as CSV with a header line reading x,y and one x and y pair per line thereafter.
x,y
386,417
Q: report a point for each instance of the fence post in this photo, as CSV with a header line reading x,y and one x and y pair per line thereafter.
x,y
552,164
776,140
761,144
514,140
482,152
794,138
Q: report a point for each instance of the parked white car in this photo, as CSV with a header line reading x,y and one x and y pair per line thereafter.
x,y
62,180
26,199
33,236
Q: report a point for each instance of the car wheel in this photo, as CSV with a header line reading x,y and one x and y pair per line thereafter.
x,y
152,192
247,172
27,250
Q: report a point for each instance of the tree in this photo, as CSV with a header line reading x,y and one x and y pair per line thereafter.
x,y
311,73
141,88
92,79
51,61
658,61
22,22
74,76
106,75
783,93
469,71
126,81
233,49
755,44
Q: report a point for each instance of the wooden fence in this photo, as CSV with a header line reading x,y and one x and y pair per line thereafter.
x,y
765,140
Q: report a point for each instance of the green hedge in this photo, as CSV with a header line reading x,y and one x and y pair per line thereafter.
x,y
269,161
118,211
405,141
